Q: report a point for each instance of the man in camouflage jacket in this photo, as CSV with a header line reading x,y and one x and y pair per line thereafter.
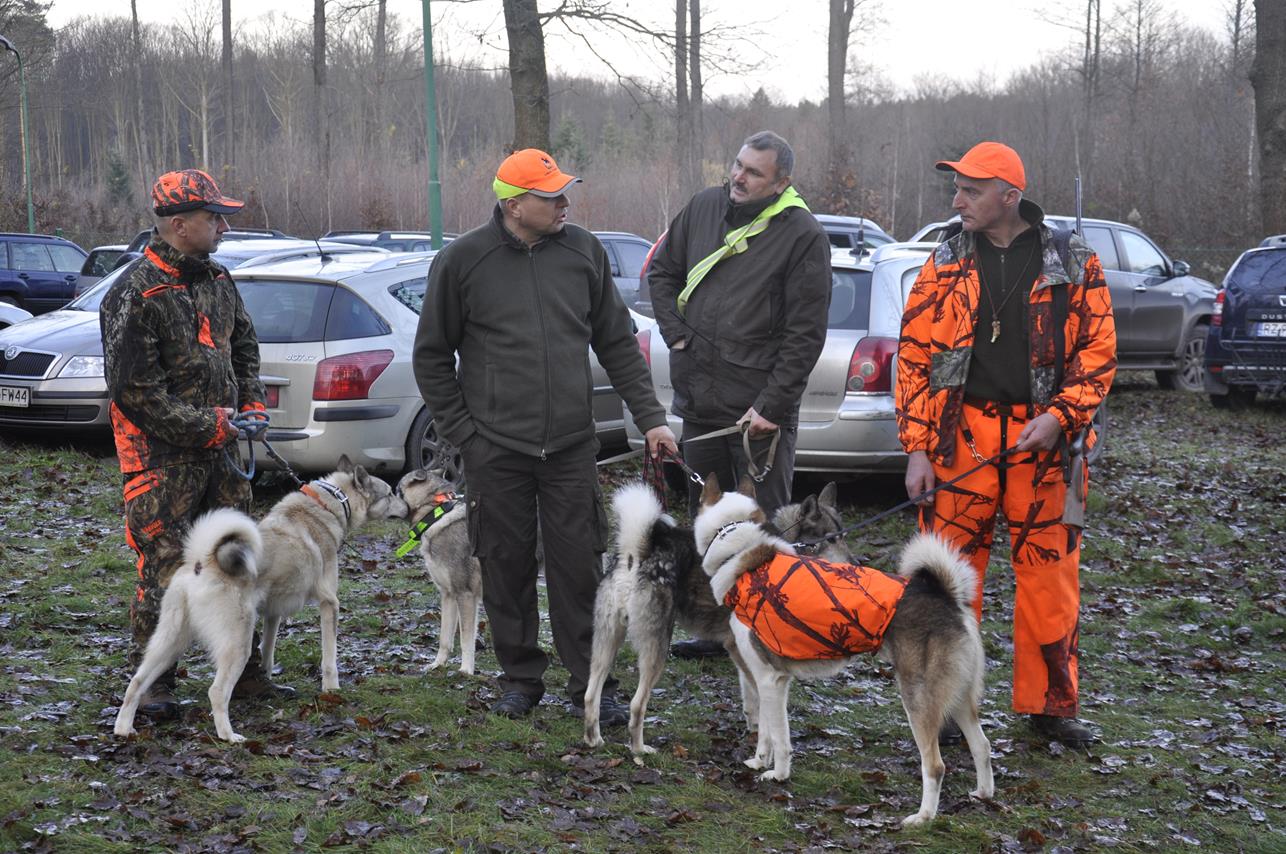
x,y
181,358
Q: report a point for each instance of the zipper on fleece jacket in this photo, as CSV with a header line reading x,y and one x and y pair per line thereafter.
x,y
544,337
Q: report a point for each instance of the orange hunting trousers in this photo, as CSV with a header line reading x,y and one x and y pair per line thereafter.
x,y
1029,490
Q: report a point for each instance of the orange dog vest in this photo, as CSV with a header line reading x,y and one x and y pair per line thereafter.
x,y
807,608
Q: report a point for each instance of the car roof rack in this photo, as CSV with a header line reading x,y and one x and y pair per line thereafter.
x,y
401,259
304,252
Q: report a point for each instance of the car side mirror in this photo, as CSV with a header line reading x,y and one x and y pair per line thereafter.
x,y
1181,268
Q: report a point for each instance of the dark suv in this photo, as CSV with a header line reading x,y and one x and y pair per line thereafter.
x,y
38,272
1246,349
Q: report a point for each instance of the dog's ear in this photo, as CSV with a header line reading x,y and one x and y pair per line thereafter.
x,y
827,496
747,486
345,464
711,493
808,507
417,476
360,475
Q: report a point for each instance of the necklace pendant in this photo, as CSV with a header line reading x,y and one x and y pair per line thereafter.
x,y
995,330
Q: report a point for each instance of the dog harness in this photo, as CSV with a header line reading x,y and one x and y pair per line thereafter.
x,y
807,608
443,503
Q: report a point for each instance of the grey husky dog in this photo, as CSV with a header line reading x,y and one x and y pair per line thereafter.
x,y
235,571
444,545
931,636
656,581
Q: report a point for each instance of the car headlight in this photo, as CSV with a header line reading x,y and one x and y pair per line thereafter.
x,y
82,366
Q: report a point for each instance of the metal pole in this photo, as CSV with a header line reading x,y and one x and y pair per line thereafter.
x,y
431,121
26,145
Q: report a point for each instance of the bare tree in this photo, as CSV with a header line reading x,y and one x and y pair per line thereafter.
x,y
528,75
229,113
1268,76
841,21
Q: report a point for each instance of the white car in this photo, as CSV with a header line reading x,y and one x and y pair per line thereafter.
x,y
846,420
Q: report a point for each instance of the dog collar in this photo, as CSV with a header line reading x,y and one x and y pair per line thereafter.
x,y
335,492
443,504
725,530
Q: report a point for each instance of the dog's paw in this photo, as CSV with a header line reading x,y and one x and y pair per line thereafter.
x,y
594,740
236,738
917,820
980,795
756,762
645,750
123,731
464,671
774,776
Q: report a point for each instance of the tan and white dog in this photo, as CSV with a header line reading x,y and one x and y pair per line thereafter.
x,y
927,627
235,571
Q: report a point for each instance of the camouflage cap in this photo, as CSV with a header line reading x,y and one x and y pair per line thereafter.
x,y
190,190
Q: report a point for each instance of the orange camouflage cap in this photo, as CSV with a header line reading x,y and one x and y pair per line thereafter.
x,y
190,190
989,160
531,171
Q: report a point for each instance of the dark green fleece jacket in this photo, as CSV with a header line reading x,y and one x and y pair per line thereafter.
x,y
522,321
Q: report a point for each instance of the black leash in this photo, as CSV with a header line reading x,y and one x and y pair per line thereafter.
x,y
250,426
842,532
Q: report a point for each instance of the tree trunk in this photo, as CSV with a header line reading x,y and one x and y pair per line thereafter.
x,y
1268,76
695,102
229,115
528,76
143,175
381,73
841,22
321,118
682,110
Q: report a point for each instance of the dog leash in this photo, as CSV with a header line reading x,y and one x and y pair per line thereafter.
x,y
250,426
842,532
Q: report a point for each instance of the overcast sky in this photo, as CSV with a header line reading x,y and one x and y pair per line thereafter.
x,y
784,40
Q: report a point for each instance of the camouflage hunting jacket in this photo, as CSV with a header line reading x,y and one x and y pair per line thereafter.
x,y
179,345
941,318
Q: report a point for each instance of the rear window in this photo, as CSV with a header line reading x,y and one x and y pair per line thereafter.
x,y
1263,269
410,293
67,259
850,299
351,317
287,311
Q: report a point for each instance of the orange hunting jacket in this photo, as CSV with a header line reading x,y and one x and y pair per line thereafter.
x,y
807,608
938,326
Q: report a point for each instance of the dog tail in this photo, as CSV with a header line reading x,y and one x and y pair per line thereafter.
x,y
225,540
930,553
637,510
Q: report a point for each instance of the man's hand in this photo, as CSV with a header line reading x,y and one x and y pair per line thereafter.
x,y
1040,434
919,476
660,437
759,425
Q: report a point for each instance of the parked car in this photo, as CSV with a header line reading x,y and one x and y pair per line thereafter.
x,y
51,371
846,420
1246,351
627,252
101,261
846,231
393,241
140,240
38,272
11,314
1162,312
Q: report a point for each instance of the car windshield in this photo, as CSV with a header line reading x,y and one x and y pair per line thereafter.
x,y
850,299
1265,268
91,299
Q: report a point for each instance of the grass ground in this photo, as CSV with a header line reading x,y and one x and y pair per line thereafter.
x,y
1184,609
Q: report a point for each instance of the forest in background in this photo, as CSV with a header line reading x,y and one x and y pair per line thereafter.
x,y
1160,119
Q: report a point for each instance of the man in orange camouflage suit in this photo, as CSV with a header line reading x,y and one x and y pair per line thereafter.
x,y
978,373
181,356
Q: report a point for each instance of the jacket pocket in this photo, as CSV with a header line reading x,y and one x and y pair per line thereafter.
x,y
756,355
949,368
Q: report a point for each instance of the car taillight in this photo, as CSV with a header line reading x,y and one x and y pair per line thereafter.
x,y
272,396
644,337
871,367
1216,315
349,377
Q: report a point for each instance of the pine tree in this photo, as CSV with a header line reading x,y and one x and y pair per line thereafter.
x,y
118,180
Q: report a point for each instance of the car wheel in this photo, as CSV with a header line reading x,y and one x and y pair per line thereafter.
x,y
426,448
11,300
1100,429
1192,362
1237,398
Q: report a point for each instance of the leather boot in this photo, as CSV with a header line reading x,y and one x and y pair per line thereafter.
x,y
160,704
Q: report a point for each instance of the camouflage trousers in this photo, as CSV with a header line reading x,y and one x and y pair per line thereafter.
x,y
160,506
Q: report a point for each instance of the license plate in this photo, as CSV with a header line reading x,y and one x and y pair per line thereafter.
x,y
1272,330
15,396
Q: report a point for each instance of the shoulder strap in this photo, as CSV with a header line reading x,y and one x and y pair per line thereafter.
x,y
1062,242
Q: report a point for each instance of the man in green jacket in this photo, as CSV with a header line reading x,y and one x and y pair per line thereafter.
x,y
520,301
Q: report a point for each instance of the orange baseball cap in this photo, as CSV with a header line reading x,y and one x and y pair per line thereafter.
x,y
989,160
531,171
190,190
